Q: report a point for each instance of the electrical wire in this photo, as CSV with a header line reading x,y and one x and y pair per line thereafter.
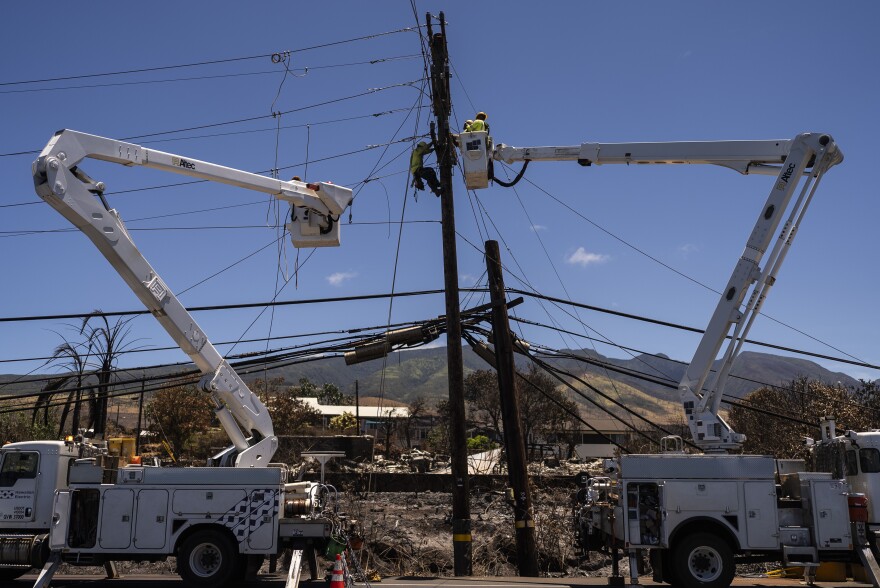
x,y
202,63
193,182
369,92
201,78
682,274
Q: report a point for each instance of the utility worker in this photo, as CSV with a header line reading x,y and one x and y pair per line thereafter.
x,y
479,123
420,172
467,126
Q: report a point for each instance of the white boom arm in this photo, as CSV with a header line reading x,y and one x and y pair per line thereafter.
x,y
806,157
59,181
742,156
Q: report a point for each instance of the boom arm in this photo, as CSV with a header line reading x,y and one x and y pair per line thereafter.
x,y
742,156
63,185
806,157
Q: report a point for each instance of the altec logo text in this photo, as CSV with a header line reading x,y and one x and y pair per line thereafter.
x,y
181,162
786,175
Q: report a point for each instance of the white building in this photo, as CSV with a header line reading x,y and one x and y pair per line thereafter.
x,y
371,417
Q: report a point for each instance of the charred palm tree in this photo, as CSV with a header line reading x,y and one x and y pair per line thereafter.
x,y
44,399
76,359
107,341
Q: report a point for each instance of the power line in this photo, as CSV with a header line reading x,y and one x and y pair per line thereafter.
x,y
223,306
432,292
211,77
246,119
690,329
202,63
672,269
193,182
274,115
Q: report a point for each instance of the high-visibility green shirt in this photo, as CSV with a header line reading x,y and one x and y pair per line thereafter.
x,y
477,125
417,159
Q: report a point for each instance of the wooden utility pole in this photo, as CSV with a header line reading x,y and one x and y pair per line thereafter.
x,y
461,510
137,438
517,472
357,406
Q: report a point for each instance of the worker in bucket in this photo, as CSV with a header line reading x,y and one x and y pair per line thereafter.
x,y
479,123
420,173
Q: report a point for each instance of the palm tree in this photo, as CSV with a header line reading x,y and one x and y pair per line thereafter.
x,y
75,363
77,367
107,342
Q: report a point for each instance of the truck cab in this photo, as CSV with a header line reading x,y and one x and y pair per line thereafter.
x,y
855,456
30,472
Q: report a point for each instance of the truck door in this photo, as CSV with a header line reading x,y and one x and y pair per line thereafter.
x,y
151,521
60,520
761,515
830,514
116,510
18,486
262,527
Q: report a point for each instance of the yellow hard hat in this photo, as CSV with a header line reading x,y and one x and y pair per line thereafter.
x,y
481,116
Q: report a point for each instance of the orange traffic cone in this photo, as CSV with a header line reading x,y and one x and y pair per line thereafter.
x,y
337,580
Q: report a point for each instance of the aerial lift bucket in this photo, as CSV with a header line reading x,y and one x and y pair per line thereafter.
x,y
475,159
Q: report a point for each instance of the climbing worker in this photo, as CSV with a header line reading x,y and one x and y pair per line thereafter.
x,y
479,123
420,172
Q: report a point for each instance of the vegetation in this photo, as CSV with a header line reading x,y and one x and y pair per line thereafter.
x,y
790,413
480,443
16,426
546,412
344,423
290,415
90,368
328,394
179,413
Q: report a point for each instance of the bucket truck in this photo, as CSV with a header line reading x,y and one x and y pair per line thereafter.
x,y
58,500
696,513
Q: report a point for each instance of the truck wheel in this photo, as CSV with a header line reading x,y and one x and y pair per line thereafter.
x,y
208,558
703,560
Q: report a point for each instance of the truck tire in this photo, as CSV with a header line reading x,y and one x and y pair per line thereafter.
x,y
208,558
703,560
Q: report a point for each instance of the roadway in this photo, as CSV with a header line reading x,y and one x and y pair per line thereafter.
x,y
277,581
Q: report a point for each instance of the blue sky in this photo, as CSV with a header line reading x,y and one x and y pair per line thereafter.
x,y
547,74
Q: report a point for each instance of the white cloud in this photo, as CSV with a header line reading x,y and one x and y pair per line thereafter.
x,y
337,278
537,228
687,249
583,258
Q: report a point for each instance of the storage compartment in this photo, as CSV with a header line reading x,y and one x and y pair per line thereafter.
x,y
643,513
85,471
794,536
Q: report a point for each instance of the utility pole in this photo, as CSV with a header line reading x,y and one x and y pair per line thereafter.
x,y
357,406
461,509
517,472
137,439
